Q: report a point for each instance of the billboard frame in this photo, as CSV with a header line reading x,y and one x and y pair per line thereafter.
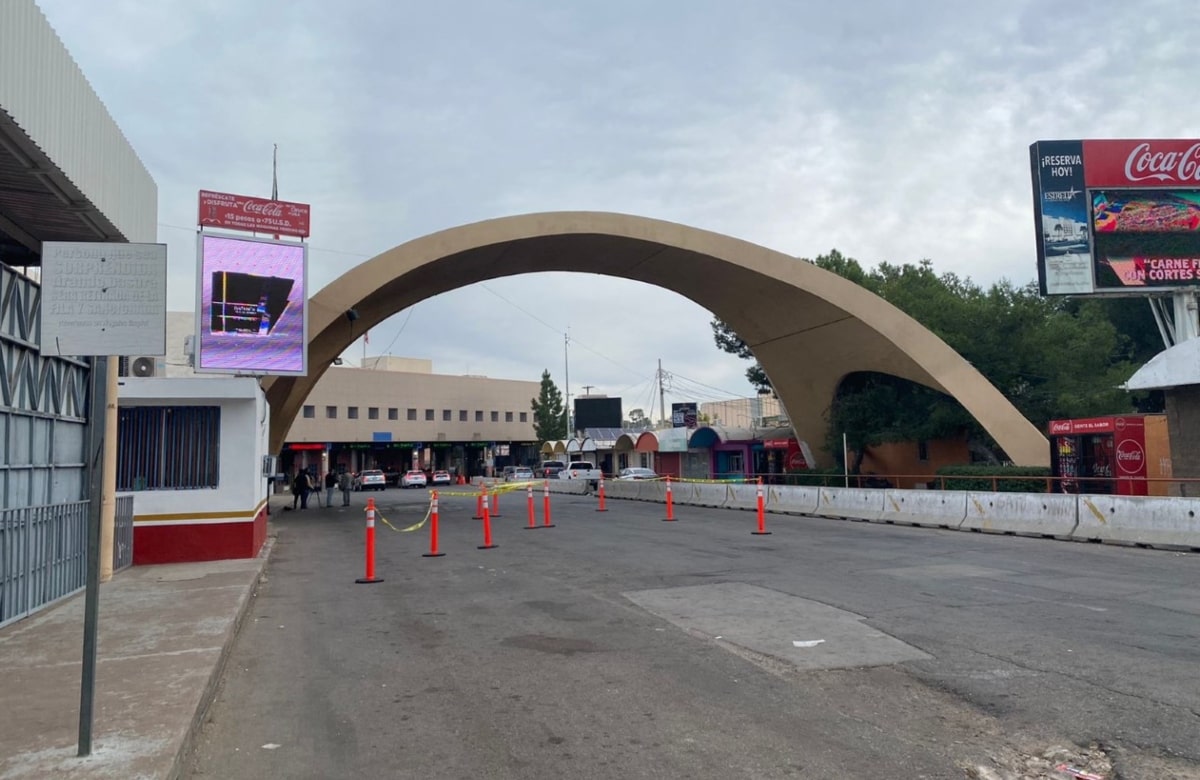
x,y
201,326
1065,171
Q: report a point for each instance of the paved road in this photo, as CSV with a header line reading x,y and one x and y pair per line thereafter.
x,y
616,645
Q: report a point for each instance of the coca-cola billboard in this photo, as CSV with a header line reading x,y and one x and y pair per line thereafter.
x,y
1117,215
255,215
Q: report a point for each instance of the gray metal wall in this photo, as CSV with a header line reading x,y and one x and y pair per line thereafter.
x,y
43,407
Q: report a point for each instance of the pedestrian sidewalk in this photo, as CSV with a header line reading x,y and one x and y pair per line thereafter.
x,y
164,633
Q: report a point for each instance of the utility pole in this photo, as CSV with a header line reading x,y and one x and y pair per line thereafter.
x,y
567,382
662,406
587,389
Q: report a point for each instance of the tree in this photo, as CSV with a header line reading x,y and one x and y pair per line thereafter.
x,y
548,421
638,421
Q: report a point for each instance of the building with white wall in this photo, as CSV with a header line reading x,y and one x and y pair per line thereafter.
x,y
192,452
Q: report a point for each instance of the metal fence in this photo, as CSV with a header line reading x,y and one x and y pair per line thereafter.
x,y
43,556
123,534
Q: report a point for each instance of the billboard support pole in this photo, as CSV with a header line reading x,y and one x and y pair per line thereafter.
x,y
1185,316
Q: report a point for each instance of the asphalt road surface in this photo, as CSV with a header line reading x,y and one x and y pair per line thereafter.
x,y
617,645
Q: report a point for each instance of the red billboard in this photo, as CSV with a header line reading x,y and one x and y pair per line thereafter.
x,y
255,215
1141,163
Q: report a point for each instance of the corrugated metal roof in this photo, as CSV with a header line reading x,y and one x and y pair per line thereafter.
x,y
67,172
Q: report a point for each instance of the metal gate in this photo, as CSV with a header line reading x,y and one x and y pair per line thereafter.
x,y
43,556
123,534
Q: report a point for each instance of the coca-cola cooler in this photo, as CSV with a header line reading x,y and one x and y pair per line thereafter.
x,y
1104,455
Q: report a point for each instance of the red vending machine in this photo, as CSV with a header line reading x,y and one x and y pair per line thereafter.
x,y
1104,455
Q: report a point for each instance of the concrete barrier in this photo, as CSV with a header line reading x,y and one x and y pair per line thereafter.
x,y
620,488
933,508
709,495
792,499
850,503
1151,522
1025,514
572,486
743,496
654,490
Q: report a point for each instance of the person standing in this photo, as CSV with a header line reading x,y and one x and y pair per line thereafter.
x,y
296,489
305,482
331,481
344,486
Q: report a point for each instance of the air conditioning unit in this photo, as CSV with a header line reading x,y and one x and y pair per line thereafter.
x,y
142,366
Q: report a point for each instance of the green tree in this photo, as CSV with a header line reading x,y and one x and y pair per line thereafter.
x,y
548,421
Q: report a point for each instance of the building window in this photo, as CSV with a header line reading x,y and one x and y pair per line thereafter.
x,y
462,415
478,416
331,412
428,414
495,416
922,451
168,447
412,414
372,412
393,413
351,412
524,416
446,415
310,411
508,417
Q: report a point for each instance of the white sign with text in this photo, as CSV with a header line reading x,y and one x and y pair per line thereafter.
x,y
104,299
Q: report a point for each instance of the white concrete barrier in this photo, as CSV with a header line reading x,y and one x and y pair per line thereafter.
x,y
936,508
713,495
620,488
573,486
1026,514
853,503
654,490
1154,522
743,496
792,499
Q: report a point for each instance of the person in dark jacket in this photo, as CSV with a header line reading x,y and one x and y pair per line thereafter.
x,y
331,481
300,489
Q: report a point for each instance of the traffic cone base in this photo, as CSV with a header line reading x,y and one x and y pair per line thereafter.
x,y
761,533
486,546
432,555
365,581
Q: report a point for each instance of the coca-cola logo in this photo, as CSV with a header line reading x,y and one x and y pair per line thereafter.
x,y
1144,163
1060,427
265,208
1130,456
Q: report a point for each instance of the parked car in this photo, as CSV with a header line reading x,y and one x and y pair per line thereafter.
x,y
413,478
636,472
521,474
581,469
548,469
370,479
440,478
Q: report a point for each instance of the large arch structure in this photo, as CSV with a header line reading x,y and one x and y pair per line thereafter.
x,y
808,327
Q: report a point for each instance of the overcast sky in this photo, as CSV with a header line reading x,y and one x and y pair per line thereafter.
x,y
889,131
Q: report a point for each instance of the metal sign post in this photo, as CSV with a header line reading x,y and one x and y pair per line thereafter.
x,y
97,399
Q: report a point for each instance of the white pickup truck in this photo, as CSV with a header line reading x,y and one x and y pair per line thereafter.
x,y
581,469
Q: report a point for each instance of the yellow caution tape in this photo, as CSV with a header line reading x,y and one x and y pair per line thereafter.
x,y
413,527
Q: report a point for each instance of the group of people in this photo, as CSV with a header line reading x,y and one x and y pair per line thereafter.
x,y
305,485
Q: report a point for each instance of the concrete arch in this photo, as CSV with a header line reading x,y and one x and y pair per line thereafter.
x,y
807,327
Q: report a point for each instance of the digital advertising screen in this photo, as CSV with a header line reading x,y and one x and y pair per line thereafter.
x,y
597,413
1116,216
251,314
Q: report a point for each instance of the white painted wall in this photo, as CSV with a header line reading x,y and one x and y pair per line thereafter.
x,y
245,419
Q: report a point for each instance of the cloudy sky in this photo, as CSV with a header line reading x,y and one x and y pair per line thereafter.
x,y
889,131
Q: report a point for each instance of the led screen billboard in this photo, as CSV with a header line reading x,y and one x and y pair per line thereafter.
x,y
1116,216
597,413
251,314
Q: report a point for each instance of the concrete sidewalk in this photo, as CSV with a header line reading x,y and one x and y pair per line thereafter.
x,y
164,634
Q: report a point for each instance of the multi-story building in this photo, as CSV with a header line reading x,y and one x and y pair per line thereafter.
x,y
396,414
